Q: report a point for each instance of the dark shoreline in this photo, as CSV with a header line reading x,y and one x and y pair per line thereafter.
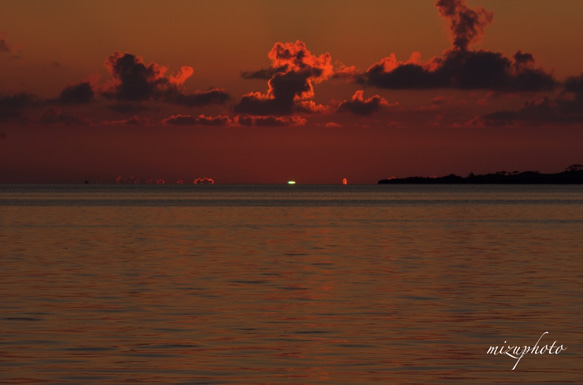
x,y
572,175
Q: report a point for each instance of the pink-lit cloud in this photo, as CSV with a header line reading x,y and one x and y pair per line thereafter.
x,y
134,80
268,121
133,121
294,70
460,67
361,106
201,120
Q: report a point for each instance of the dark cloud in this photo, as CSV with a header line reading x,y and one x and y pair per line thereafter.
x,y
293,72
264,73
77,94
200,98
390,73
567,107
180,120
219,120
129,108
11,107
469,70
460,67
570,101
259,104
133,81
466,25
534,112
54,115
133,121
201,120
4,47
270,121
574,84
360,106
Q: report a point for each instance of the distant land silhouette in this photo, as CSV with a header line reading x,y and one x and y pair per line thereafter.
x,y
572,175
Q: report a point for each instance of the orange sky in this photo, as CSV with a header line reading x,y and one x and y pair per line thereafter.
x,y
263,91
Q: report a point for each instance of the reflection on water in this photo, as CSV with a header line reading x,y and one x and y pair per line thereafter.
x,y
289,285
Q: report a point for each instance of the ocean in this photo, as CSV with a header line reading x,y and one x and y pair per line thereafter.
x,y
217,284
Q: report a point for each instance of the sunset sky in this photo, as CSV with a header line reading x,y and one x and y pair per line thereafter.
x,y
264,91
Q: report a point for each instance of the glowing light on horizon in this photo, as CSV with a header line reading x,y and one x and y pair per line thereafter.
x,y
204,180
344,181
291,182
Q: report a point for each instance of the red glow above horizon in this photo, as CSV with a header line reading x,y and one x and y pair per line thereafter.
x,y
470,97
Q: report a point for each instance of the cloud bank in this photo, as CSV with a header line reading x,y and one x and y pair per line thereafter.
x,y
361,106
134,80
460,67
77,94
12,106
294,70
567,107
201,120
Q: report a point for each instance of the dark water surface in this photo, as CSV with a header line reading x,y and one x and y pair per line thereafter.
x,y
289,284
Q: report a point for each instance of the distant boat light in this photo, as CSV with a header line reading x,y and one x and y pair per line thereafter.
x,y
291,182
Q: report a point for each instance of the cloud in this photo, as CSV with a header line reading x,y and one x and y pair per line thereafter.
x,y
242,120
438,102
360,106
294,70
77,94
268,121
4,47
439,99
133,81
346,72
567,107
466,25
533,112
199,98
133,121
310,107
460,67
12,106
129,108
180,120
54,115
201,120
264,73
574,86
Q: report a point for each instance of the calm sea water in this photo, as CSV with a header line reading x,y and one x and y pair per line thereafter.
x,y
289,284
